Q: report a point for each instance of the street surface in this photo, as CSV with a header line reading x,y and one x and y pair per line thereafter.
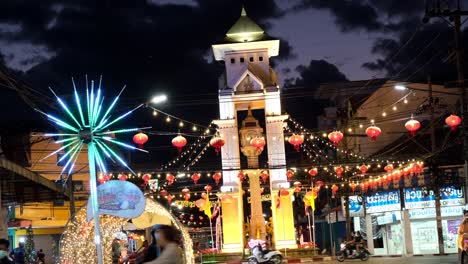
x,y
452,259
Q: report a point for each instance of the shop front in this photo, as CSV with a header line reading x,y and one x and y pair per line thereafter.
x,y
422,216
384,211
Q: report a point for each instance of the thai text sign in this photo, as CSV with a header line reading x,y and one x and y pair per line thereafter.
x,y
355,206
431,212
420,198
383,202
119,198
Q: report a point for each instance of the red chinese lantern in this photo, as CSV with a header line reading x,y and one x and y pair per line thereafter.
x,y
169,198
217,176
140,139
412,126
208,188
122,177
339,171
335,137
388,168
264,176
453,121
146,177
284,192
241,176
363,169
185,190
296,141
179,142
195,177
297,186
101,179
373,132
170,178
187,196
334,189
258,143
200,203
289,174
353,186
217,143
163,193
313,172
319,184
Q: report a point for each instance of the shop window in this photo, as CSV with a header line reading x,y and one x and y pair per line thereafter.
x,y
260,58
233,60
242,60
251,59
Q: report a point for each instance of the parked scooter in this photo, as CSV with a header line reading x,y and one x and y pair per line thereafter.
x,y
265,256
345,253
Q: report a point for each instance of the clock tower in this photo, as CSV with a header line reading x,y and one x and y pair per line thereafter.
x,y
249,83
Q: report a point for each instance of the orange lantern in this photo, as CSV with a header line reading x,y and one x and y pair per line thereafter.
x,y
264,176
122,177
208,188
296,141
217,176
163,193
388,168
297,186
140,139
284,192
258,143
412,126
335,137
339,171
179,142
334,189
373,132
353,186
200,203
289,174
319,184
241,176
146,177
195,177
170,178
169,198
453,121
313,172
217,143
363,169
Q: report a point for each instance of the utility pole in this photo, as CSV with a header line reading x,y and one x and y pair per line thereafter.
x,y
441,10
71,195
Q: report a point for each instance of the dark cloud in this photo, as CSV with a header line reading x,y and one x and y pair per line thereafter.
x,y
317,72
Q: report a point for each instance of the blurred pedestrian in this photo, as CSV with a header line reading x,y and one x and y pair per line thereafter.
x,y
168,238
4,257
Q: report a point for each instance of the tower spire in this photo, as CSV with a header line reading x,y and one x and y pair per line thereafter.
x,y
243,13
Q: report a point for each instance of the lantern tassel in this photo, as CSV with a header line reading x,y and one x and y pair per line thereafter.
x,y
453,128
374,138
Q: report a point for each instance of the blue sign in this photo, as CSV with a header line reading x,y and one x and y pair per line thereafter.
x,y
355,206
383,202
119,198
421,198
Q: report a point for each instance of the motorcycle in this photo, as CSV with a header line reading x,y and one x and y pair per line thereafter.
x,y
265,256
362,254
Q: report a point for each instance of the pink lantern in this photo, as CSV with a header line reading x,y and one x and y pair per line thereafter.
x,y
296,141
412,126
217,143
179,142
373,132
335,137
453,121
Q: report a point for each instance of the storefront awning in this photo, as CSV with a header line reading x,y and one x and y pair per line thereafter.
x,y
20,185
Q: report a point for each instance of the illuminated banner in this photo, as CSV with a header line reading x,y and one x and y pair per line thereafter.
x,y
419,198
355,206
383,202
119,198
431,212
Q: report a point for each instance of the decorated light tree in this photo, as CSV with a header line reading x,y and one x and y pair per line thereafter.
x,y
30,253
91,127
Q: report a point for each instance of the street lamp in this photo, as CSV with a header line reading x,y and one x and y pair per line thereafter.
x,y
159,99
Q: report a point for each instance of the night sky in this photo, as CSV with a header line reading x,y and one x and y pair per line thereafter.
x,y
164,46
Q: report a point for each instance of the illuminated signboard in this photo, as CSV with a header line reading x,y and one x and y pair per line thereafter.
x,y
383,202
355,206
119,198
420,198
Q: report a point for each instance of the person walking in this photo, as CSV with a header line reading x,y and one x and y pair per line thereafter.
x,y
153,249
168,238
19,254
40,257
4,258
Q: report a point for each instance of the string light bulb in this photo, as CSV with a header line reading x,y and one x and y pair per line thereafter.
x,y
394,108
405,101
384,114
168,119
181,124
155,113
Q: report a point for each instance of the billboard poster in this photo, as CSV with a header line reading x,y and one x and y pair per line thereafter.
x,y
119,198
356,208
383,202
420,198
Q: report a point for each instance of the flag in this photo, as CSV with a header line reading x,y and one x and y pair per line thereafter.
x,y
207,207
